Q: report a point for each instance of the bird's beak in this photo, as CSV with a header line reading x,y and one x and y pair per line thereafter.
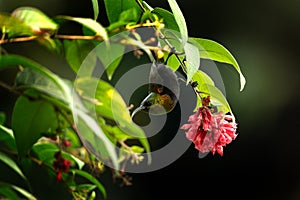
x,y
146,103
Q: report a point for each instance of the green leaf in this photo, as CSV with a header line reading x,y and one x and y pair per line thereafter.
x,y
179,18
13,26
53,45
168,18
30,119
93,25
126,17
91,179
203,79
2,118
85,187
6,190
217,98
76,52
107,56
7,140
15,60
192,60
173,62
95,8
115,7
34,18
212,50
45,153
110,104
93,138
137,149
24,192
11,163
29,78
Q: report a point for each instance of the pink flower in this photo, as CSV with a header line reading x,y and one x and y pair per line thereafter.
x,y
210,131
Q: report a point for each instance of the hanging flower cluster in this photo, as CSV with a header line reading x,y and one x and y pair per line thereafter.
x,y
60,165
210,131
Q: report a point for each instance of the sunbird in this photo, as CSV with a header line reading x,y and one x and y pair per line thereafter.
x,y
163,91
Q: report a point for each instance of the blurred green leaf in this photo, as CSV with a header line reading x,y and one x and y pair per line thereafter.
x,y
11,163
15,60
34,18
29,78
94,139
168,18
192,60
76,52
2,118
13,26
30,119
127,16
108,55
212,50
116,132
110,104
137,149
24,192
93,25
95,8
179,18
53,45
6,190
91,179
115,7
45,153
7,140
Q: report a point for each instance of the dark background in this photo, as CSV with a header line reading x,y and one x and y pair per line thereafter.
x,y
263,162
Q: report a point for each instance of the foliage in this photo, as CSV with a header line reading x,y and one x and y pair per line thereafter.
x,y
52,120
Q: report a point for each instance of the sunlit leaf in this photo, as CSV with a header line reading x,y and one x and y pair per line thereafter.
x,y
212,50
91,179
15,60
34,18
115,7
30,119
13,26
29,78
127,16
11,163
217,98
7,191
108,57
95,8
179,18
168,18
110,104
94,139
7,140
93,25
76,52
192,60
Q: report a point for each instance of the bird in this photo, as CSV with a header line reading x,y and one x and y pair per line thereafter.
x,y
163,91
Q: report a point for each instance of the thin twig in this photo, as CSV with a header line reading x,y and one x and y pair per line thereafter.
x,y
20,39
